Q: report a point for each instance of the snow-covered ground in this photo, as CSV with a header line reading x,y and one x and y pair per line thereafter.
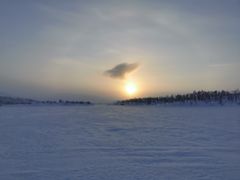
x,y
104,142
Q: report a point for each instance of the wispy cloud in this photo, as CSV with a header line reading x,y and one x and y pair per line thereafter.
x,y
120,70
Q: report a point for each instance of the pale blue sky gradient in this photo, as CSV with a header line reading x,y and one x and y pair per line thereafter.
x,y
61,48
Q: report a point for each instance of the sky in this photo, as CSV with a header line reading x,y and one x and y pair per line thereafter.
x,y
92,49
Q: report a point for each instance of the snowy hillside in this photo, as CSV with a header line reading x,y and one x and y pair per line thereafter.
x,y
119,143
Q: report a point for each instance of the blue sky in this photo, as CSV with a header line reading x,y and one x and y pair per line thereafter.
x,y
62,48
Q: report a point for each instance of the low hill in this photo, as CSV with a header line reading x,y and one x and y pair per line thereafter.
x,y
4,100
12,100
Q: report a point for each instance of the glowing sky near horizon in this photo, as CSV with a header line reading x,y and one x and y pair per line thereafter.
x,y
62,48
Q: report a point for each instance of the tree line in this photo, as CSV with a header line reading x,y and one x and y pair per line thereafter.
x,y
12,101
196,97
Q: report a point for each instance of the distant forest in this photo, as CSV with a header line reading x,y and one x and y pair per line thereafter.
x,y
12,101
196,97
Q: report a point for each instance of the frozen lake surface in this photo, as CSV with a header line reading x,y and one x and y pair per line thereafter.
x,y
119,143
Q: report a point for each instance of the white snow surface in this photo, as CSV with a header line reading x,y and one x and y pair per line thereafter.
x,y
104,142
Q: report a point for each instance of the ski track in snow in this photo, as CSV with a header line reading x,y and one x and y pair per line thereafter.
x,y
119,143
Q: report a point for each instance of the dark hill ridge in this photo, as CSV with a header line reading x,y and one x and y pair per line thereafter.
x,y
4,100
13,101
194,98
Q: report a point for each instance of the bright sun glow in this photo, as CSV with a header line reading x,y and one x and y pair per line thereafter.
x,y
130,88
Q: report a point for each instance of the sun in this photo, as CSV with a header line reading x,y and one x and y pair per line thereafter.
x,y
130,88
